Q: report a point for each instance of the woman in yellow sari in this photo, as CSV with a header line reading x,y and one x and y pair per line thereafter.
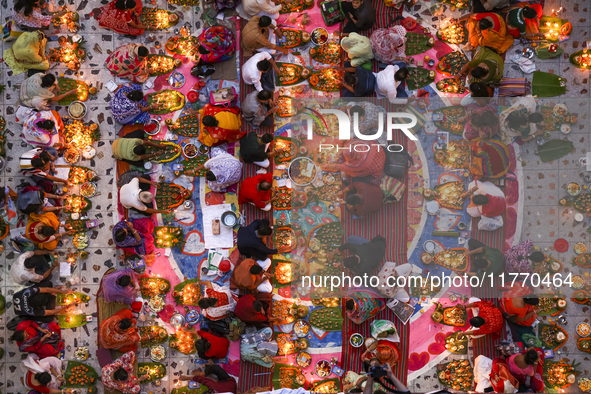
x,y
42,230
487,29
28,52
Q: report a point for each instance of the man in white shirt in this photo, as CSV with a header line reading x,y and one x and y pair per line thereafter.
x,y
388,83
133,196
249,8
257,71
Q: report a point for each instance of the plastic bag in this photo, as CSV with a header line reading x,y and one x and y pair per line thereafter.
x,y
384,329
490,224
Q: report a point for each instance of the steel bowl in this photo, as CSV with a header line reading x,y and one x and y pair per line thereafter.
x,y
229,219
177,320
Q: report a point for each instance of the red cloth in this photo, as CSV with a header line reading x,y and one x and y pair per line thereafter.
x,y
41,349
242,278
495,206
225,386
493,317
248,190
118,20
219,345
372,198
245,310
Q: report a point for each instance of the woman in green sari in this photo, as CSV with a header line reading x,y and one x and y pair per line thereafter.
x,y
487,66
27,52
363,304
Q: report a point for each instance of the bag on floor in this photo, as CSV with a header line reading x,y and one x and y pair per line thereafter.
x,y
392,188
490,224
223,97
397,163
332,12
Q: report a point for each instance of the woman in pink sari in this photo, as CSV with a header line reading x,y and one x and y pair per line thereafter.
x,y
122,16
528,369
130,62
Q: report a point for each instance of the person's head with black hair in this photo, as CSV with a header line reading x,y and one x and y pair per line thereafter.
x,y
350,305
202,345
209,121
536,118
48,80
264,96
264,65
256,270
121,375
135,95
353,199
529,13
485,119
356,391
479,263
264,230
120,234
39,300
485,24
207,302
125,4
536,257
265,21
531,299
142,52
125,324
479,72
35,261
139,150
44,378
45,155
517,120
357,109
26,6
265,185
267,138
46,124
18,336
530,357
350,79
477,321
124,280
210,176
351,261
38,162
257,306
47,231
401,74
479,89
480,199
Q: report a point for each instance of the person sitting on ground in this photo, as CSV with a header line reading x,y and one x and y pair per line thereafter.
x,y
368,118
133,150
483,123
41,339
487,200
217,301
42,229
389,83
219,125
122,16
360,15
489,319
357,81
135,236
528,368
258,109
224,170
120,286
118,376
27,14
358,49
130,62
520,310
250,8
214,378
256,190
487,67
358,162
39,90
129,106
488,29
258,71
250,243
526,126
484,259
38,164
43,375
477,90
362,199
34,301
524,20
250,276
32,267
382,374
257,35
364,256
210,346
253,311
45,129
120,332
27,53
133,196
253,149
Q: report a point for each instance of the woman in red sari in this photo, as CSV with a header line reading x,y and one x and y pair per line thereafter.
x,y
122,16
119,332
42,339
487,29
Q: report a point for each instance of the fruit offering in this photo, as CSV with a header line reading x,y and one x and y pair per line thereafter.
x,y
67,84
80,175
183,341
453,258
329,53
190,164
450,316
79,375
168,236
69,53
327,319
171,152
152,286
289,6
327,80
581,59
456,156
583,260
186,125
68,299
287,376
455,345
417,43
419,77
187,292
287,311
69,19
552,335
452,63
160,335
282,196
326,386
459,4
456,375
287,149
558,374
162,64
290,74
169,195
155,371
582,297
78,135
283,272
551,305
451,85
284,239
76,204
157,19
168,100
291,38
449,195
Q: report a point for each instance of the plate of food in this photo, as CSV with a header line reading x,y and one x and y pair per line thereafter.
x,y
153,127
176,80
302,171
565,128
77,109
580,248
301,328
323,368
71,156
303,359
584,329
356,340
157,353
577,282
319,36
585,384
190,151
426,258
573,189
560,110
88,152
88,189
80,241
157,303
